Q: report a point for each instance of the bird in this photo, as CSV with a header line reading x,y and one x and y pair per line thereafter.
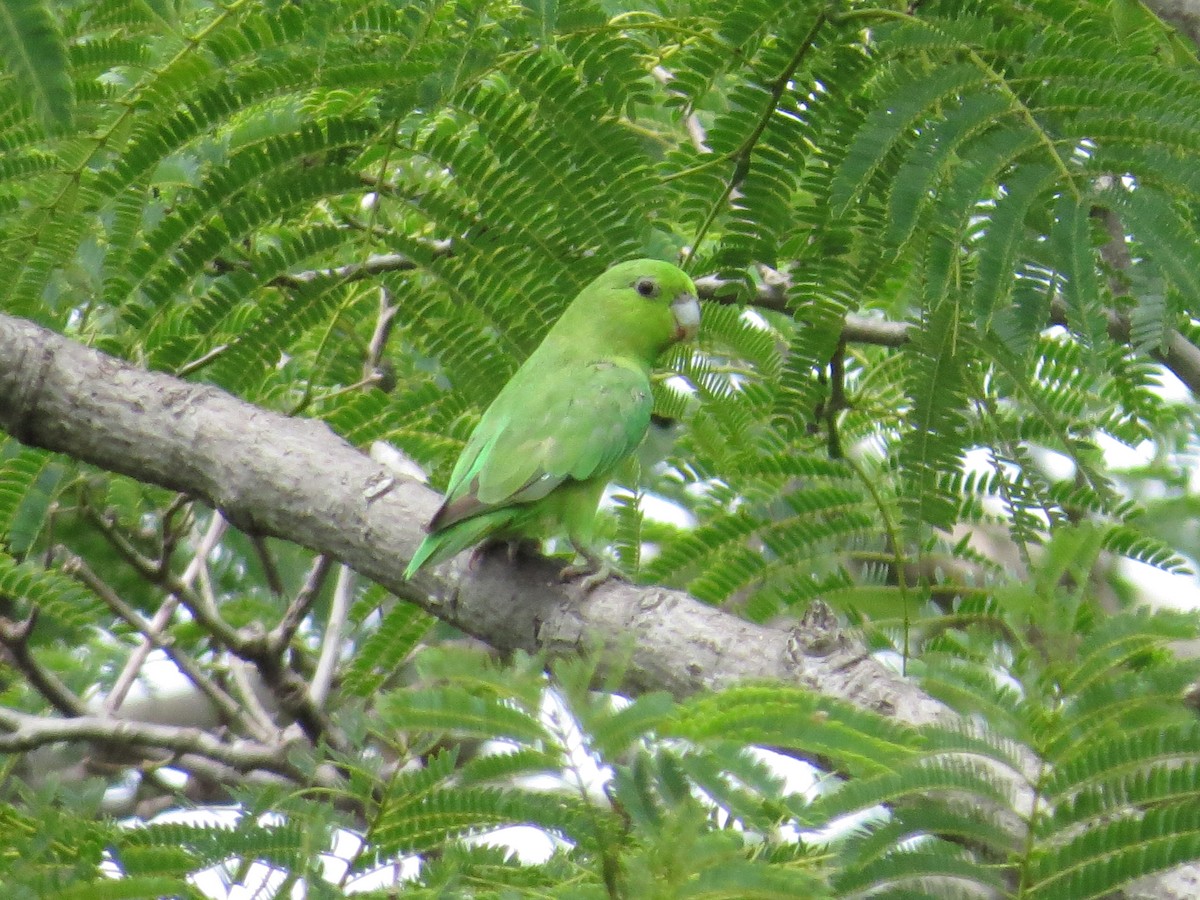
x,y
540,457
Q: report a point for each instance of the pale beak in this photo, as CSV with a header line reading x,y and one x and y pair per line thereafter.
x,y
686,310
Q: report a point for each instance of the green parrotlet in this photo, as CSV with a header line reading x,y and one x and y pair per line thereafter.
x,y
537,463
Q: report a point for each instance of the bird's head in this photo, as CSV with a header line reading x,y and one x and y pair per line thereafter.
x,y
645,305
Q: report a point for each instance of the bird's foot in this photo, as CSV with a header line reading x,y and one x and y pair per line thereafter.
x,y
595,569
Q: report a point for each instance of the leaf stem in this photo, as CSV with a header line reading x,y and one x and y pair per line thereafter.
x,y
741,156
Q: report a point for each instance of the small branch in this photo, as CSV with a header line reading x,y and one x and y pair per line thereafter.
x,y
270,570
251,644
373,363
195,365
879,332
376,264
239,671
1180,355
375,378
201,606
14,636
217,527
281,635
27,732
162,618
771,295
231,713
331,645
171,534
836,402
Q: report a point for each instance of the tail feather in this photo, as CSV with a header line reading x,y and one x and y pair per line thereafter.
x,y
439,546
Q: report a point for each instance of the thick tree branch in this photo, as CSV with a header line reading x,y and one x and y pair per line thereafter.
x,y
293,478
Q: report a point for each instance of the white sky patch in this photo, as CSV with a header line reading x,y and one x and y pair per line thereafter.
x,y
1057,466
753,317
660,509
1159,589
1122,456
346,844
874,446
680,385
582,772
977,460
531,845
702,489
1170,388
799,777
159,680
812,785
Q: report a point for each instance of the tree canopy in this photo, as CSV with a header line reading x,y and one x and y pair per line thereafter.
x,y
263,264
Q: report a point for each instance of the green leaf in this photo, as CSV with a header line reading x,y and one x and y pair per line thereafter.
x,y
379,656
32,49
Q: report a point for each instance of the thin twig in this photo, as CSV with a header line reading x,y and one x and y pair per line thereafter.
x,y
375,265
270,570
162,618
195,365
231,713
384,321
15,638
27,732
171,534
331,646
281,635
239,671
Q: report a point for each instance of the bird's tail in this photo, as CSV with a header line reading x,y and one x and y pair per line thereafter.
x,y
441,545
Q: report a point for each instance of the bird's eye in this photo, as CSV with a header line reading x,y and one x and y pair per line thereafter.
x,y
646,287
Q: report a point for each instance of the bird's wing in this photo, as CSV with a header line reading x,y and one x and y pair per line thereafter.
x,y
571,426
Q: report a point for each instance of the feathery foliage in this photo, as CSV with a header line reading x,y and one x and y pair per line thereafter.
x,y
369,212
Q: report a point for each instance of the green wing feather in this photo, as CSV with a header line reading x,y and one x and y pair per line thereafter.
x,y
551,439
550,426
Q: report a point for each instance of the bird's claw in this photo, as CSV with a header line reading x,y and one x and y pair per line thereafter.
x,y
595,570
